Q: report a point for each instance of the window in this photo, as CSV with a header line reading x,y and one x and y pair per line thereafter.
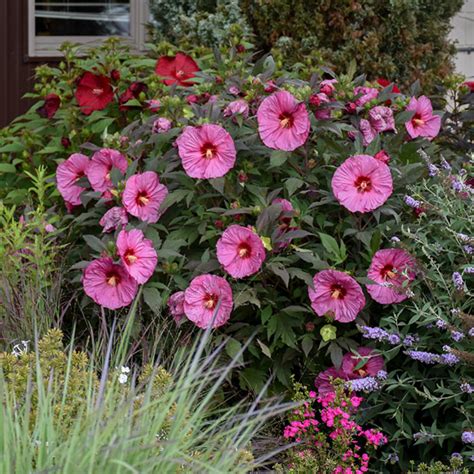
x,y
51,22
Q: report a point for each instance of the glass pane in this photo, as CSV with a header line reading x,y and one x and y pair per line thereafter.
x,y
82,18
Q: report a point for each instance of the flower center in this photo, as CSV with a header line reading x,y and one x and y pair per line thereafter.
x,y
97,91
210,300
362,372
180,73
417,120
142,199
130,257
208,150
113,279
387,272
338,292
363,184
244,250
286,120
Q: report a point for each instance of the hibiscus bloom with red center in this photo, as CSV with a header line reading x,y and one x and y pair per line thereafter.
x,y
109,284
207,151
144,195
50,106
283,123
177,69
93,92
324,382
364,363
240,251
362,183
133,92
423,123
208,301
390,269
67,174
137,254
337,295
102,163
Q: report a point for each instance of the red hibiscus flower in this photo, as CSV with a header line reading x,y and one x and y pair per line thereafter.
x,y
93,92
176,69
50,106
385,83
133,91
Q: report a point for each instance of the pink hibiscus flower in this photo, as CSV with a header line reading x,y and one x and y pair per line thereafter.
x,y
390,268
328,86
143,195
109,284
423,123
67,174
324,380
365,363
101,165
367,131
240,251
237,107
208,301
336,294
362,183
113,218
283,123
207,151
137,254
366,94
287,210
176,306
381,119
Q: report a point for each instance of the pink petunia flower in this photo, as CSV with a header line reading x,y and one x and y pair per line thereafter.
x,y
390,268
109,284
101,165
237,107
207,151
336,294
208,301
113,218
381,119
67,174
137,254
176,306
325,379
240,251
143,196
354,367
362,183
365,94
283,123
423,123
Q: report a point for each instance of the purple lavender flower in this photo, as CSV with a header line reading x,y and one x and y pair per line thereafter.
x,y
457,186
469,249
365,384
409,201
422,435
457,336
466,388
458,281
445,164
441,324
425,357
378,334
393,339
464,237
393,458
449,359
382,375
395,239
468,437
446,348
471,332
469,269
410,340
432,170
455,311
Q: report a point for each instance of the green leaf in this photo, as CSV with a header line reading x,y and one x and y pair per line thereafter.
x,y
7,168
330,244
278,158
153,299
233,347
94,243
12,148
292,184
265,348
307,344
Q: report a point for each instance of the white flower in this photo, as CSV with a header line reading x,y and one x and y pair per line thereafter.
x,y
123,378
124,369
20,348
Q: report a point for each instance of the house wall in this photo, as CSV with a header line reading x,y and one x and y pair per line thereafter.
x,y
463,33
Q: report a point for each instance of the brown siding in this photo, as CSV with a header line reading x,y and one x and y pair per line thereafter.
x,y
16,70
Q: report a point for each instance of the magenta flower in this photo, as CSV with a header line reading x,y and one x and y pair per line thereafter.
x,y
176,306
161,125
328,86
208,301
207,151
368,133
354,367
389,269
237,107
366,94
137,254
283,123
362,183
101,165
325,379
143,196
240,251
67,174
337,295
318,100
381,119
423,123
109,284
114,218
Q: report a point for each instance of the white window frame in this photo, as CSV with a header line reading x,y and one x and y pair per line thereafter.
x,y
48,46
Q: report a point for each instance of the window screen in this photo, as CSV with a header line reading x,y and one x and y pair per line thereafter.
x,y
82,18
